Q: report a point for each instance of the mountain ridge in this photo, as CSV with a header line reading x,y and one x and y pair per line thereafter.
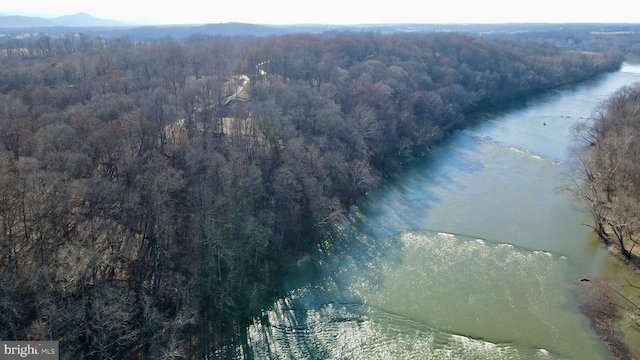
x,y
80,19
84,19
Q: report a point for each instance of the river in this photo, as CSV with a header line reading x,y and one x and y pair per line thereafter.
x,y
473,252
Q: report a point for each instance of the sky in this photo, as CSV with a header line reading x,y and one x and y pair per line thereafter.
x,y
334,11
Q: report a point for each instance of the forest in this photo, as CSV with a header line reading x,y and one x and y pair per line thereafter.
x,y
610,173
152,192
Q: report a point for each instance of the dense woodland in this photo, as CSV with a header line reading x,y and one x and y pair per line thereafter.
x,y
152,192
610,171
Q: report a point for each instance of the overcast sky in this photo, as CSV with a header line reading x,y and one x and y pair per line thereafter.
x,y
335,11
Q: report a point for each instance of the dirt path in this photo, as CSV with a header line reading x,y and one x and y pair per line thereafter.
x,y
245,81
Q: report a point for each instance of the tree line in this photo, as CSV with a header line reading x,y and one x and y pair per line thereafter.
x,y
610,173
152,192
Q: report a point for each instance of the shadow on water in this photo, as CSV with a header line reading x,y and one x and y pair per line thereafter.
x,y
321,286
402,200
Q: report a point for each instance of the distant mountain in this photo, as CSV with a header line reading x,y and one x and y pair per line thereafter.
x,y
183,31
18,21
86,20
75,20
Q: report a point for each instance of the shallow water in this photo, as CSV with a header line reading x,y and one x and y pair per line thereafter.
x,y
473,252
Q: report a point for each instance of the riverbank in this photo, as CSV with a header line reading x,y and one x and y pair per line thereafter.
x,y
603,307
633,263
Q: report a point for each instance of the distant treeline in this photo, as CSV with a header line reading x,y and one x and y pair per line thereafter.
x,y
151,192
600,37
611,38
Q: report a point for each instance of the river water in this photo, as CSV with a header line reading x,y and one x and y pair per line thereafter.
x,y
473,252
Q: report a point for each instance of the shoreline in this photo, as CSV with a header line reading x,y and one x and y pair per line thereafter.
x,y
602,308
